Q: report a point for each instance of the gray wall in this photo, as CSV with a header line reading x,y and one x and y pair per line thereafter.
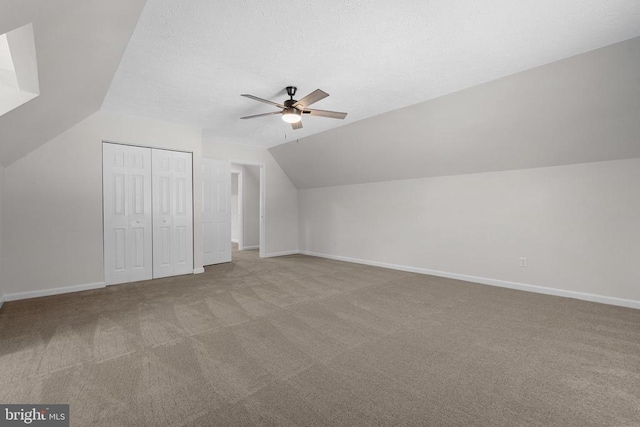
x,y
543,164
251,206
52,204
2,279
578,226
281,204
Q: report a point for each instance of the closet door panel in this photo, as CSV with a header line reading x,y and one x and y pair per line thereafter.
x,y
173,213
127,213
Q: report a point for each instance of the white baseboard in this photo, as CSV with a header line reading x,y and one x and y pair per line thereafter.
x,y
1,300
250,248
487,281
54,291
275,254
198,270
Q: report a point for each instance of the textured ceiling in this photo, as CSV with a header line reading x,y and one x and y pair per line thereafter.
x,y
189,62
79,44
582,109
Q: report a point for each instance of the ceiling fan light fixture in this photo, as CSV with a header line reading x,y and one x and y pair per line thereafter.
x,y
292,110
291,115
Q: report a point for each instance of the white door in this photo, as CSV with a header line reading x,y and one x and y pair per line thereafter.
x,y
126,180
216,211
172,213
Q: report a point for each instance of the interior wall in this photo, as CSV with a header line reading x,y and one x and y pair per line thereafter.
x,y
281,204
1,236
578,226
251,207
52,209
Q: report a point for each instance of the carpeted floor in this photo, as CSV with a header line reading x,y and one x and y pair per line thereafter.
x,y
307,341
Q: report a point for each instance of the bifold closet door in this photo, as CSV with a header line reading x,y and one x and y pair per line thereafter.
x,y
216,211
126,184
172,213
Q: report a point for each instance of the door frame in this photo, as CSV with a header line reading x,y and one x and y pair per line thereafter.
x,y
263,186
240,211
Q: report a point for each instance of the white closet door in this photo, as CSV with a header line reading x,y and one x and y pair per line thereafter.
x,y
172,213
216,211
127,213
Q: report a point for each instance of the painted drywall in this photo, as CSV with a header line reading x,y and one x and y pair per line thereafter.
x,y
560,113
52,205
281,204
52,213
1,260
578,225
79,45
251,206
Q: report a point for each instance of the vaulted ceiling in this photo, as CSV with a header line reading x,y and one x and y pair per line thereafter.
x,y
581,109
79,44
189,62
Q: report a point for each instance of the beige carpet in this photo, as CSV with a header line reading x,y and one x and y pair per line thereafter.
x,y
306,341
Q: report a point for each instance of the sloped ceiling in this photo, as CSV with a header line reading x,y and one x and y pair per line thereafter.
x,y
189,62
581,109
79,44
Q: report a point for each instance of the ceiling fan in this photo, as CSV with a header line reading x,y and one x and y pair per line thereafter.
x,y
293,110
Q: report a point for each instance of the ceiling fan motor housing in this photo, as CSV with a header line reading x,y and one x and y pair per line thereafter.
x,y
291,91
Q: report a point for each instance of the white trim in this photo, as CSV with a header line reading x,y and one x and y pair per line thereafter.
x,y
275,254
487,281
249,248
263,198
1,301
245,163
240,217
198,270
54,291
240,208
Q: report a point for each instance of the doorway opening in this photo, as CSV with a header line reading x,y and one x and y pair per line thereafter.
x,y
247,206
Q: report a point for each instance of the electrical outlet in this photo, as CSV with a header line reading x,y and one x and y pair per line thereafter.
x,y
523,262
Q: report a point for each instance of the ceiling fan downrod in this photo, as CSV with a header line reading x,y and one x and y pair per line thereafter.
x,y
291,91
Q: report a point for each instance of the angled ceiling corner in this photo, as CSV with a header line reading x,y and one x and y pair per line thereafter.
x,y
79,45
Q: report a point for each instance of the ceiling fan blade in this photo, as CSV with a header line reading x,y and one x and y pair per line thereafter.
x,y
261,115
297,125
266,101
324,113
313,97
